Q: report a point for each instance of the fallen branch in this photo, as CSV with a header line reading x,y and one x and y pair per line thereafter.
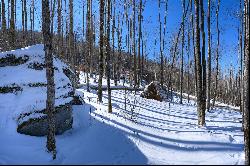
x,y
104,88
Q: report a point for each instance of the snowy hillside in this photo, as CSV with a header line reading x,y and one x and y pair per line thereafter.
x,y
150,133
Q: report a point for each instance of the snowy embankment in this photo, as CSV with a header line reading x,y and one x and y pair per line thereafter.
x,y
145,132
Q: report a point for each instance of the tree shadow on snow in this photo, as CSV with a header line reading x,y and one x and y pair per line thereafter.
x,y
177,144
92,141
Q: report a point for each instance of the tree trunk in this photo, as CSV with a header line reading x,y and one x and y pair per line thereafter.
x,y
25,21
32,22
246,81
189,62
203,104
163,40
50,102
241,66
71,42
182,47
108,56
139,44
134,44
114,59
3,17
89,42
217,53
12,35
52,16
208,56
59,27
195,64
198,64
119,38
101,51
0,12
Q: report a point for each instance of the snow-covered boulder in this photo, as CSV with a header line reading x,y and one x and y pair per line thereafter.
x,y
153,91
23,90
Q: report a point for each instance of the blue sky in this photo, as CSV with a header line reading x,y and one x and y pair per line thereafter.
x,y
228,25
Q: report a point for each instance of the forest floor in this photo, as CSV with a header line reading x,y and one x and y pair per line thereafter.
x,y
145,132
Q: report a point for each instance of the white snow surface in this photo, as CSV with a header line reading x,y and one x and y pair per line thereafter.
x,y
152,132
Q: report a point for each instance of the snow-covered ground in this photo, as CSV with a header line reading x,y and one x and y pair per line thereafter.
x,y
151,132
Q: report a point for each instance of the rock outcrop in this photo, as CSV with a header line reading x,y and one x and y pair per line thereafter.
x,y
23,90
154,91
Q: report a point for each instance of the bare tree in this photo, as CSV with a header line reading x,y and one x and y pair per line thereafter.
x,y
182,47
101,51
164,35
32,20
114,59
246,81
12,32
134,44
71,41
3,17
89,36
0,12
217,52
203,64
59,26
199,66
241,63
24,21
175,52
108,56
139,43
50,102
188,53
208,56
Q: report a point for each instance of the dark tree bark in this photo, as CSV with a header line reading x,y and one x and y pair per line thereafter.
x,y
53,6
198,63
182,47
25,22
32,24
217,53
163,39
50,102
246,81
3,17
195,64
203,63
108,51
134,44
241,64
12,33
71,42
208,57
0,12
59,27
188,50
101,51
139,43
119,38
114,59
